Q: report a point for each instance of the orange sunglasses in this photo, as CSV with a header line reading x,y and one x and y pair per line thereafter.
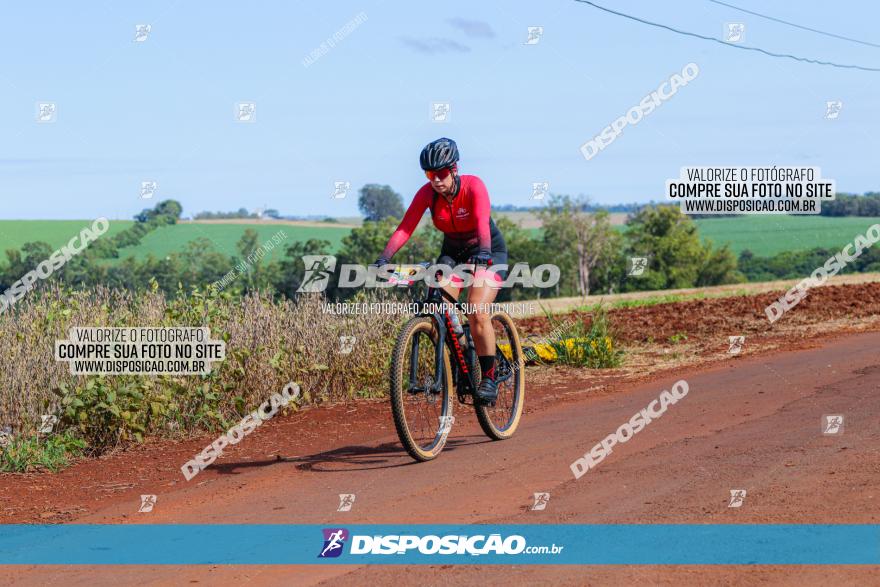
x,y
440,174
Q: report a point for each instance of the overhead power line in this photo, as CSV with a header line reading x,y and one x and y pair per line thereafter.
x,y
798,26
734,45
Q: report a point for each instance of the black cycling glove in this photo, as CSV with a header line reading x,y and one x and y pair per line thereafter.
x,y
483,258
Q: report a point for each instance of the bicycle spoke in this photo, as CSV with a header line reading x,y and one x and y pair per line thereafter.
x,y
500,420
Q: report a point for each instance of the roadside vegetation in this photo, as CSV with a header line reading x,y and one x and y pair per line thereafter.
x,y
269,343
587,343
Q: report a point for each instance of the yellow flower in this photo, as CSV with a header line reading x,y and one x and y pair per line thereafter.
x,y
506,351
546,352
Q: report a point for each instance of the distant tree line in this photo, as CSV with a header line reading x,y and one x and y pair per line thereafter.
x,y
585,204
658,248
799,264
378,201
844,204
852,205
240,213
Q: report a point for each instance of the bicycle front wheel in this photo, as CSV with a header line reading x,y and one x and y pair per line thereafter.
x,y
500,421
420,392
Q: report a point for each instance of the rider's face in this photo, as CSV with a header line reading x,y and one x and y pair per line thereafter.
x,y
443,183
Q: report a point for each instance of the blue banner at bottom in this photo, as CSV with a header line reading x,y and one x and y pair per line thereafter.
x,y
563,544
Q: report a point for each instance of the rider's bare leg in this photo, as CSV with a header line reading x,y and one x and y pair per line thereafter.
x,y
452,290
479,299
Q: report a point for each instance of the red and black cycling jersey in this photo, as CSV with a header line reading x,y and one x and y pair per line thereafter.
x,y
465,221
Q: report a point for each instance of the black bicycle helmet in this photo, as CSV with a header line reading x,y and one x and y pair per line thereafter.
x,y
439,154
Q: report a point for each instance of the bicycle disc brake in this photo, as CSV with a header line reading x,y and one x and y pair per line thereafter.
x,y
430,394
503,368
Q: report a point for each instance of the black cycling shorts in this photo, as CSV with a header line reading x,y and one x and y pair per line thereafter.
x,y
457,252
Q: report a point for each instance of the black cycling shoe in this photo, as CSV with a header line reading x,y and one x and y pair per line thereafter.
x,y
488,391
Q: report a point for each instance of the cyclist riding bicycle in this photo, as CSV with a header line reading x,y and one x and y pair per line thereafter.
x,y
459,206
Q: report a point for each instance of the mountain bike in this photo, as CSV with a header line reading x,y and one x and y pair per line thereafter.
x,y
430,360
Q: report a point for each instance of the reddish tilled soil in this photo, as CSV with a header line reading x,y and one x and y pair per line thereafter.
x,y
719,317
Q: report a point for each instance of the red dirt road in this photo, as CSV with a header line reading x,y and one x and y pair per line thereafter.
x,y
751,423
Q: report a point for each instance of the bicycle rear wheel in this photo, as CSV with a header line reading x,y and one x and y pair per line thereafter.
x,y
422,414
500,421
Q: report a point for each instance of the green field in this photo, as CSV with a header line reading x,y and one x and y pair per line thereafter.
x,y
763,235
768,235
162,241
14,233
223,237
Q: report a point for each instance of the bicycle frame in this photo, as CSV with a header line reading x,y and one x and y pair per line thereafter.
x,y
461,371
462,374
420,392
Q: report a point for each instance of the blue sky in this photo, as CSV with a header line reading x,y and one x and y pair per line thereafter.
x,y
163,109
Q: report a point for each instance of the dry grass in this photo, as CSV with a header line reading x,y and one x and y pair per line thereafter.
x,y
270,343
